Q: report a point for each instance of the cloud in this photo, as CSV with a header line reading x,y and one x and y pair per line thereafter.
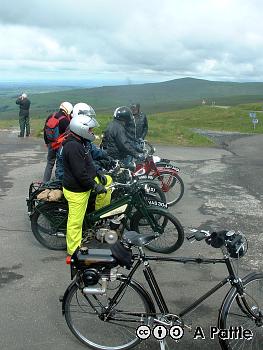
x,y
157,40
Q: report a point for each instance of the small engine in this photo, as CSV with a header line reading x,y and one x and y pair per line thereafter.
x,y
91,277
111,233
106,235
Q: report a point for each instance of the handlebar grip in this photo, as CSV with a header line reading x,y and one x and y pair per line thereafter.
x,y
200,235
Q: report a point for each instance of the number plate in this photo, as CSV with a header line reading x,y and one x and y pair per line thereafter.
x,y
143,177
157,203
172,167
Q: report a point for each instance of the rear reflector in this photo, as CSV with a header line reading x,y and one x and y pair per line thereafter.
x,y
68,260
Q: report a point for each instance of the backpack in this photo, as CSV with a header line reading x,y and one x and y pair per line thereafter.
x,y
51,127
55,145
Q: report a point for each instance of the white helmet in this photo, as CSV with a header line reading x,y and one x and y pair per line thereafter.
x,y
82,126
83,109
24,95
66,107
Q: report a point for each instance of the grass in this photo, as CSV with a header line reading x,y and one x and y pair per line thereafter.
x,y
176,127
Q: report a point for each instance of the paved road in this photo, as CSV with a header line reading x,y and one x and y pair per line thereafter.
x,y
223,190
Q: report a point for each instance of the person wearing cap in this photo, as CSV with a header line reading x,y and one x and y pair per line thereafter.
x,y
24,105
63,116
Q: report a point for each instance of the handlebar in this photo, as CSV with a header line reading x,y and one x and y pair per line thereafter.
x,y
199,235
234,242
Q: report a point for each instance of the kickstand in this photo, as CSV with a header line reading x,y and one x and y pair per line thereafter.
x,y
163,345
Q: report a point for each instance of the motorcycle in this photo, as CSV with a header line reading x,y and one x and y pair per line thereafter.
x,y
137,209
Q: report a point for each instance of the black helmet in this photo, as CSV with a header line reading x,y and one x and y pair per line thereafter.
x,y
122,113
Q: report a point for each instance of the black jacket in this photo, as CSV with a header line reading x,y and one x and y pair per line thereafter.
x,y
116,143
24,106
137,128
79,169
63,124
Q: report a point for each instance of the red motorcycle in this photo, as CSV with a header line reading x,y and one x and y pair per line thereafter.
x,y
161,170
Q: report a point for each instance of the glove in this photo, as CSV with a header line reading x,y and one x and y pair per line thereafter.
x,y
139,149
99,189
112,162
141,157
102,178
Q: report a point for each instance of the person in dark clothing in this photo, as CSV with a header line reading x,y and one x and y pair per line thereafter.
x,y
80,176
99,157
24,105
63,116
115,139
137,128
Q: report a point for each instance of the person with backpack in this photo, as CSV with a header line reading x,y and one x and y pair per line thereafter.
x,y
80,176
24,105
55,125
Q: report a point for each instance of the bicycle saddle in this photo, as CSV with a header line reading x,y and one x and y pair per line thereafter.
x,y
137,239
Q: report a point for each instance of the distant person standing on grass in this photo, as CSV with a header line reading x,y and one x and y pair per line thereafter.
x,y
24,105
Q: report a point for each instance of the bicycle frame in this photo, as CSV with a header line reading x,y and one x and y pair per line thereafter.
x,y
149,168
123,205
156,292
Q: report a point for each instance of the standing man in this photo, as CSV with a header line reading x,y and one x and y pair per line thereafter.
x,y
137,128
55,125
24,105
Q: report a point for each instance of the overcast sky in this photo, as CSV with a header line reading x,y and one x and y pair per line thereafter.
x,y
131,41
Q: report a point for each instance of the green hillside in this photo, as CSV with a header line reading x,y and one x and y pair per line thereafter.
x,y
155,97
176,127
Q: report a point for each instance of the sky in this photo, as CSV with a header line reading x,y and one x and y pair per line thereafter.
x,y
131,41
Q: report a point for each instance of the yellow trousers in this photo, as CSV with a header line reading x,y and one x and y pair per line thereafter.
x,y
77,203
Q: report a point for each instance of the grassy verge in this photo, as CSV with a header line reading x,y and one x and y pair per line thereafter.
x,y
176,127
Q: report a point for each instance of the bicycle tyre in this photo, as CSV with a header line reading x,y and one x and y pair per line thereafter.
x,y
98,334
172,185
233,307
170,229
49,224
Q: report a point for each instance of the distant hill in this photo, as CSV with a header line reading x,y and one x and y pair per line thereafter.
x,y
154,97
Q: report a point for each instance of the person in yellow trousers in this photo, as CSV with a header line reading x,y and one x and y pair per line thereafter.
x,y
80,176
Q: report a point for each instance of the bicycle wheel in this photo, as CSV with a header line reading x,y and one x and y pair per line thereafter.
x,y
172,185
171,232
85,317
245,311
49,224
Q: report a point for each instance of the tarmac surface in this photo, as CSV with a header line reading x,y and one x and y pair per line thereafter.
x,y
223,190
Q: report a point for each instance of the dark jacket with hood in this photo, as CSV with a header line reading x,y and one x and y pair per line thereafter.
x,y
116,142
79,169
24,105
